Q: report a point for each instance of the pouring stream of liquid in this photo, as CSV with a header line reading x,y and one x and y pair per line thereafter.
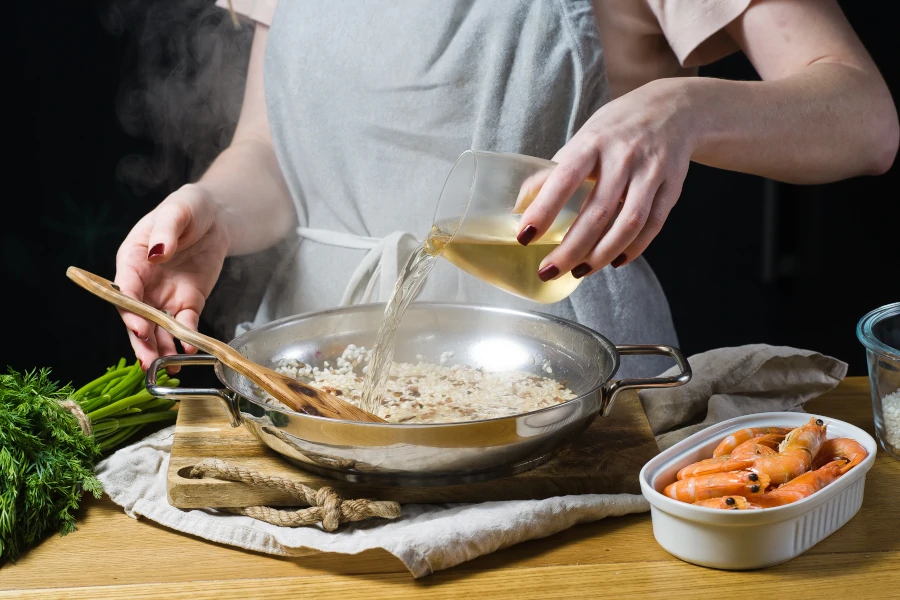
x,y
411,279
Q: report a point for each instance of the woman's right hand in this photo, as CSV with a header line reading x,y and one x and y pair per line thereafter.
x,y
171,260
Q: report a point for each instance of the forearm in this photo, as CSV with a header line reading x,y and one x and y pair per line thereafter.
x,y
246,184
825,123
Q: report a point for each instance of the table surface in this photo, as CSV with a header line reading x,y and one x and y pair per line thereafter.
x,y
113,556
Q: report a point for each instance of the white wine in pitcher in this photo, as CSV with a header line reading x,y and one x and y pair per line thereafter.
x,y
475,228
486,247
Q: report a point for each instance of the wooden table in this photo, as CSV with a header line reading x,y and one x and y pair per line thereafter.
x,y
113,556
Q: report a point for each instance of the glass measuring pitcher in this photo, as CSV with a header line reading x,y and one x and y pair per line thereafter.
x,y
477,219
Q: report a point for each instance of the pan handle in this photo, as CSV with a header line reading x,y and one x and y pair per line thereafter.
x,y
617,386
159,391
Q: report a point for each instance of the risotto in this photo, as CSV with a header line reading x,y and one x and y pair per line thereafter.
x,y
433,393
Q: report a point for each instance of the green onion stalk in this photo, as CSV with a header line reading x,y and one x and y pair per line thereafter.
x,y
118,405
48,445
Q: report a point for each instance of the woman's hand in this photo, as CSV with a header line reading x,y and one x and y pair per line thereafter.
x,y
171,260
637,148
821,113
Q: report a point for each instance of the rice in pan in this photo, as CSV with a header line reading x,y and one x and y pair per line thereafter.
x,y
433,393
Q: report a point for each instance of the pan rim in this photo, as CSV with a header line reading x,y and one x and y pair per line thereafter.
x,y
601,382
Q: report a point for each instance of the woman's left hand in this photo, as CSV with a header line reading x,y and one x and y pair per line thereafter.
x,y
637,148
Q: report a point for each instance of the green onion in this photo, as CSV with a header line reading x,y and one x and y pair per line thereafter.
x,y
105,427
94,403
118,437
118,404
113,383
157,404
127,383
100,381
143,418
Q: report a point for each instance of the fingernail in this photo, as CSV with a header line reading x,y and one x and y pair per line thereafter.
x,y
548,273
618,262
138,336
526,235
156,250
581,270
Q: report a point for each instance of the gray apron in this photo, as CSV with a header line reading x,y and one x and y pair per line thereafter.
x,y
370,103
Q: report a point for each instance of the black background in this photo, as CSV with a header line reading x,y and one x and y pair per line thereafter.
x,y
94,142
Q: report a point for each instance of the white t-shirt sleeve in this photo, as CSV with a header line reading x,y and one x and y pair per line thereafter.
x,y
695,28
260,11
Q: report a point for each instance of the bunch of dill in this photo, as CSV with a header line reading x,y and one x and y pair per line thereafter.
x,y
46,461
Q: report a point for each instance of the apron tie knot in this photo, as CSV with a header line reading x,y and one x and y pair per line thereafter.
x,y
380,266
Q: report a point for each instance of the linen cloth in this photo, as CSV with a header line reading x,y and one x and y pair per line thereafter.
x,y
427,538
730,382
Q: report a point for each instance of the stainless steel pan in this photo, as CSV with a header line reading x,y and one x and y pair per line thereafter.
x,y
427,454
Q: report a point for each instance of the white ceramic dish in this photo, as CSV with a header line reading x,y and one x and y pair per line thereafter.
x,y
750,539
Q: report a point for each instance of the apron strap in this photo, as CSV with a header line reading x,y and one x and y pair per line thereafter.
x,y
380,266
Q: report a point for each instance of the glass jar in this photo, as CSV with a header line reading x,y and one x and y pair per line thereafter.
x,y
879,332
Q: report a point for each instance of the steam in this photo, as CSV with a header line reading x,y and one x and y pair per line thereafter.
x,y
182,88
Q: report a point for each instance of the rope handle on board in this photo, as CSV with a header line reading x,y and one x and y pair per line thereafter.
x,y
325,505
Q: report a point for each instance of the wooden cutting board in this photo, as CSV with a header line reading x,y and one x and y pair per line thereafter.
x,y
606,458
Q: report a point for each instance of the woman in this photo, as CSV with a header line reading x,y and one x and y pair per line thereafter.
x,y
354,112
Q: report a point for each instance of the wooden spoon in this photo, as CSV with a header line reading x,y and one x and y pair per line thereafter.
x,y
299,396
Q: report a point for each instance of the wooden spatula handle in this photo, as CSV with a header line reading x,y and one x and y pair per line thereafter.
x,y
299,396
111,293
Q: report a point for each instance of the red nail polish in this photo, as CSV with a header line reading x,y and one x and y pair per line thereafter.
x,y
548,272
526,235
156,250
619,261
581,270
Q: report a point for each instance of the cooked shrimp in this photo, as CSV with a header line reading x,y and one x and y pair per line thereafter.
x,y
795,454
803,486
742,458
842,449
728,503
737,438
808,438
740,483
761,446
719,464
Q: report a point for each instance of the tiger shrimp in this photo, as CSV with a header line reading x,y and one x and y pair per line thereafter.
x,y
840,449
737,438
728,503
741,483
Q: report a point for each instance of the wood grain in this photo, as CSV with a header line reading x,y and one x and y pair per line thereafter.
x,y
604,459
113,556
299,396
869,577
